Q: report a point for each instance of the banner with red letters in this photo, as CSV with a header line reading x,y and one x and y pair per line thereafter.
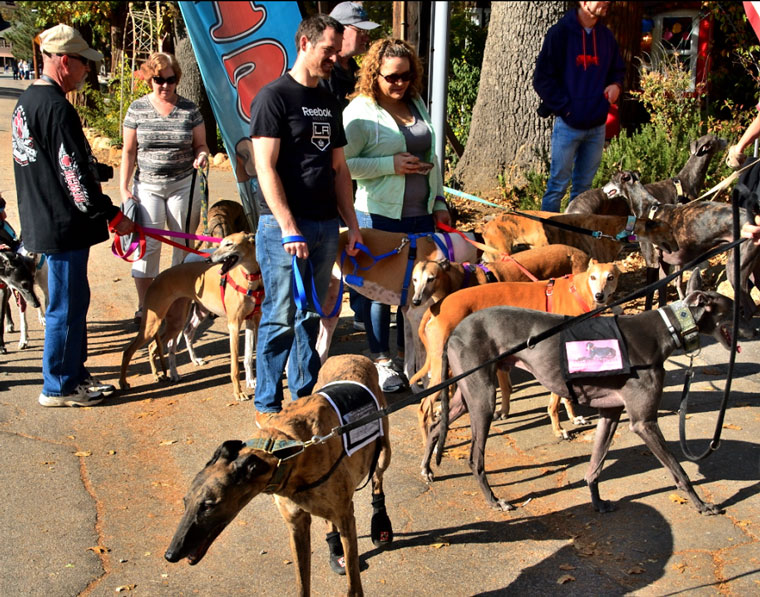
x,y
240,47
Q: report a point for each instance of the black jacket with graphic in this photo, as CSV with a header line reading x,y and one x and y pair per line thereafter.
x,y
61,205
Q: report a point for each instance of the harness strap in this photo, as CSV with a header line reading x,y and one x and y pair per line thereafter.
x,y
549,293
490,278
410,267
627,232
256,293
324,477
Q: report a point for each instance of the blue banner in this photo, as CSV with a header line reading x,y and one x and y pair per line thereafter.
x,y
240,47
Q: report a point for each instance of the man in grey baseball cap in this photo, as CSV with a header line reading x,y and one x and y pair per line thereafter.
x,y
355,41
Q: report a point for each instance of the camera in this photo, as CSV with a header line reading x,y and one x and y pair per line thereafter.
x,y
104,172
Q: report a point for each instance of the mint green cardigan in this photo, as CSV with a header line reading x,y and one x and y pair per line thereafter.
x,y
373,139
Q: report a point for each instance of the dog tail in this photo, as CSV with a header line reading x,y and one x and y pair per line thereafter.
x,y
443,427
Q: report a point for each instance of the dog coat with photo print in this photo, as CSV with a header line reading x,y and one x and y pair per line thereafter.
x,y
353,401
593,348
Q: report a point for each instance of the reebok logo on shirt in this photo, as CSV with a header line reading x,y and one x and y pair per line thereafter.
x,y
324,112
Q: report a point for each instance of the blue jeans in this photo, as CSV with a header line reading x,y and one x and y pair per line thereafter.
x,y
65,348
576,153
376,315
286,331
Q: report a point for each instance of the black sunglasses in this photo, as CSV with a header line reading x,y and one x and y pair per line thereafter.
x,y
81,59
395,78
160,80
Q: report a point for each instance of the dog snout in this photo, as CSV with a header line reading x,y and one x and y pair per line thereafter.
x,y
171,556
416,302
600,297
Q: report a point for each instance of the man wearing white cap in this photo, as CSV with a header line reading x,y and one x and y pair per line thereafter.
x,y
63,210
355,42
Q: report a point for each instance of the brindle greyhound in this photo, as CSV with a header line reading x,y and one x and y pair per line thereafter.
x,y
697,227
685,186
234,262
318,480
649,342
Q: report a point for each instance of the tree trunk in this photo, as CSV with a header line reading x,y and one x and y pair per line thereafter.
x,y
506,133
191,87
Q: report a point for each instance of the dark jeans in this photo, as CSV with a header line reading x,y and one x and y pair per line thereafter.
x,y
376,315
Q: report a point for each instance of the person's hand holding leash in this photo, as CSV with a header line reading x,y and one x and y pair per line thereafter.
x,y
443,216
752,232
295,244
735,157
354,237
201,161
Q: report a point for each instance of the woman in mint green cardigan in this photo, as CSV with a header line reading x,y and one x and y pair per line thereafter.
x,y
390,153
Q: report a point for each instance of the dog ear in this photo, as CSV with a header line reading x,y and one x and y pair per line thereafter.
x,y
228,451
444,264
249,466
591,262
695,282
251,238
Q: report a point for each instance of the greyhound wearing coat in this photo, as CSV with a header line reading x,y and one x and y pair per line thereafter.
x,y
650,338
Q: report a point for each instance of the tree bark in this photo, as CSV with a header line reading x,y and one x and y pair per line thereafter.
x,y
506,133
191,87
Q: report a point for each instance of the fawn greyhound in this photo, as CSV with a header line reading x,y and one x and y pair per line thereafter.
x,y
650,338
316,479
435,279
570,295
508,233
232,267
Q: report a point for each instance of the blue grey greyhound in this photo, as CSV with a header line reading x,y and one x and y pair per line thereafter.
x,y
650,340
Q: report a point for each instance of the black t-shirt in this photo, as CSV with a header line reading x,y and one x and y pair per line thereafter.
x,y
309,124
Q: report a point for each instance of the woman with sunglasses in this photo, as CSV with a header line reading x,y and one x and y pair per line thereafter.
x,y
390,154
164,140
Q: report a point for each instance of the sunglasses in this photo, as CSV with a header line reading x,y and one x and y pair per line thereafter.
x,y
396,78
81,59
160,80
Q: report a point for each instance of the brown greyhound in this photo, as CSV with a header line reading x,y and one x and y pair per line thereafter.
x,y
318,479
436,279
233,263
571,295
508,233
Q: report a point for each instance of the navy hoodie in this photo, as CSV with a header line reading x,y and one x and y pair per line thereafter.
x,y
573,69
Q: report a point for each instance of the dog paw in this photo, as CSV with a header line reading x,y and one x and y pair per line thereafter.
x,y
580,421
503,505
123,385
709,509
23,345
604,506
3,350
10,328
242,397
427,475
198,362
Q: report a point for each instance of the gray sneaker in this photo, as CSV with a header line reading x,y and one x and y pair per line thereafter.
x,y
81,397
95,385
390,381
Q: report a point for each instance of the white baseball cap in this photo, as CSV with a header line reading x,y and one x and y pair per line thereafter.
x,y
63,39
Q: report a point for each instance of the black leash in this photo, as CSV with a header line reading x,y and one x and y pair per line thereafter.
x,y
190,208
683,408
531,342
569,227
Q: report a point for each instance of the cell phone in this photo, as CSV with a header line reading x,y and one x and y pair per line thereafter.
x,y
424,167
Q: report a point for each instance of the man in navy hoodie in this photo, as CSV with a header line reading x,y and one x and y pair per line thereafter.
x,y
579,73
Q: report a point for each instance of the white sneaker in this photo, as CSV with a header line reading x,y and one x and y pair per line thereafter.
x,y
81,397
95,385
390,381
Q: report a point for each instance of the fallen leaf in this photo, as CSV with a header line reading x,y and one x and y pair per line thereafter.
x,y
98,549
674,497
439,545
287,562
111,452
680,567
69,566
711,371
730,426
167,442
123,588
565,578
70,437
87,453
744,523
566,567
636,570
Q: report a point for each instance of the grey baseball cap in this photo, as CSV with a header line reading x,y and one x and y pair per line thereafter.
x,y
351,13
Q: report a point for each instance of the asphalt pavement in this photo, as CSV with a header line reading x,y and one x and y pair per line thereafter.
x,y
91,497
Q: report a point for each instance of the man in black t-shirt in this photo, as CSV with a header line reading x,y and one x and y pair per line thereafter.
x,y
304,182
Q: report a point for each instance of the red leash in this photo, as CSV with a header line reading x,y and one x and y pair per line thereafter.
x,y
143,231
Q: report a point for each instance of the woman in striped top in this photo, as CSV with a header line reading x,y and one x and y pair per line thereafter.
x,y
164,140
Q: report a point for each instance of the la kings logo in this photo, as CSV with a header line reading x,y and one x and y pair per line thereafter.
x,y
320,135
23,145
